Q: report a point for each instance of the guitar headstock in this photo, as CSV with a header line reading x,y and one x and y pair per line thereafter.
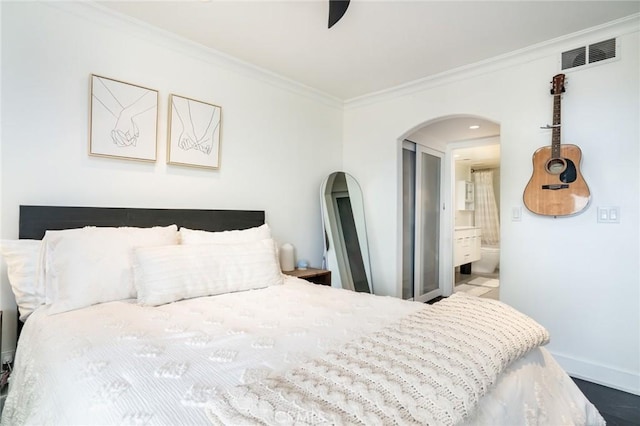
x,y
557,85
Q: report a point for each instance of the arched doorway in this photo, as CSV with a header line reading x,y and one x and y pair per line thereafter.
x,y
430,199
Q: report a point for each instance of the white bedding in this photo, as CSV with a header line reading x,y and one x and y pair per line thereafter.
x,y
120,363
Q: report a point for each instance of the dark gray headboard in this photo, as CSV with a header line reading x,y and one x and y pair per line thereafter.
x,y
35,220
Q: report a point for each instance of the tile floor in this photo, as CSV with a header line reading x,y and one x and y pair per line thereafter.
x,y
494,293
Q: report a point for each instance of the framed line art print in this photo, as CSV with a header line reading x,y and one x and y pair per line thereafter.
x,y
194,133
124,120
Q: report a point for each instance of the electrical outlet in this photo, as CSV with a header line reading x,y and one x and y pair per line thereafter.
x,y
7,357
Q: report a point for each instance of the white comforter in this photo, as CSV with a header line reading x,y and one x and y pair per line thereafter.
x,y
119,363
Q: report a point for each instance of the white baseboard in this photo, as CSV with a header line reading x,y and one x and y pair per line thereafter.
x,y
626,381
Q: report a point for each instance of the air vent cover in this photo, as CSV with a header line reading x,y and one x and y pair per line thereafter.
x,y
595,52
574,58
603,50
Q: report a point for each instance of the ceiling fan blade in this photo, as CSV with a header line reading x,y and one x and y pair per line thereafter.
x,y
337,8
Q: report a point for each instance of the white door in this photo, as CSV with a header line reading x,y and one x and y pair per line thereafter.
x,y
423,214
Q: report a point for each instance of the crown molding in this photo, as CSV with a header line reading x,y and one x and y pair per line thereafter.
x,y
627,25
109,18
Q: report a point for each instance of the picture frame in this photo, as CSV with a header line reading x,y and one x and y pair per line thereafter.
x,y
194,133
123,120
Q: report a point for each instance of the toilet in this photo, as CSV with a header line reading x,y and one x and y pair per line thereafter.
x,y
489,259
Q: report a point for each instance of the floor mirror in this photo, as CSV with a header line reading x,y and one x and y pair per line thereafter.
x,y
346,252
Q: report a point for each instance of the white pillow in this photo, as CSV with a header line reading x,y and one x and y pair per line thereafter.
x,y
190,236
24,268
93,265
171,273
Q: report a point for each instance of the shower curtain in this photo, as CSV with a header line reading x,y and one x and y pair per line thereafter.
x,y
486,209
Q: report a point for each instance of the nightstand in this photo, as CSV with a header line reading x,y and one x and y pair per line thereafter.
x,y
316,276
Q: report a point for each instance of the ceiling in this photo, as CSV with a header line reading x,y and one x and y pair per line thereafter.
x,y
484,154
378,44
480,157
456,129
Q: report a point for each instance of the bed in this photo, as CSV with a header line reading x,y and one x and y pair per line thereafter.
x,y
208,331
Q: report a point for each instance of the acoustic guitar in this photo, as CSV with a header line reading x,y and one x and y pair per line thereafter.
x,y
557,187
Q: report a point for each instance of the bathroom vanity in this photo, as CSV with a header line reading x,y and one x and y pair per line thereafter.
x,y
466,245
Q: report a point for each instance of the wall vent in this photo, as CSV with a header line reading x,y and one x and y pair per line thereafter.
x,y
603,50
574,58
595,52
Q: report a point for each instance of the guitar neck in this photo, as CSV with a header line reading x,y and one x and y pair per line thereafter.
x,y
555,137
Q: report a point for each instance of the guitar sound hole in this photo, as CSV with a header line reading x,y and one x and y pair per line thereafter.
x,y
555,166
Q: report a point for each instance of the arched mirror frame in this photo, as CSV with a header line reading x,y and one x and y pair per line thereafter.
x,y
346,252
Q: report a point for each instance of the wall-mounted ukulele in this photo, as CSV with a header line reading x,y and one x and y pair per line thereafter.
x,y
556,187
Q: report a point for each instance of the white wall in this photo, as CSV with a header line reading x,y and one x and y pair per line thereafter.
x,y
578,278
278,140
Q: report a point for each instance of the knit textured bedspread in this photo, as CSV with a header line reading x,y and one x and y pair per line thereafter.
x,y
430,368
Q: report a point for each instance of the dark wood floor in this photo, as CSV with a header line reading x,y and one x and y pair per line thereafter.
x,y
618,408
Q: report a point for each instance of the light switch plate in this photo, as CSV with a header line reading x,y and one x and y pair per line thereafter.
x,y
516,214
608,214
